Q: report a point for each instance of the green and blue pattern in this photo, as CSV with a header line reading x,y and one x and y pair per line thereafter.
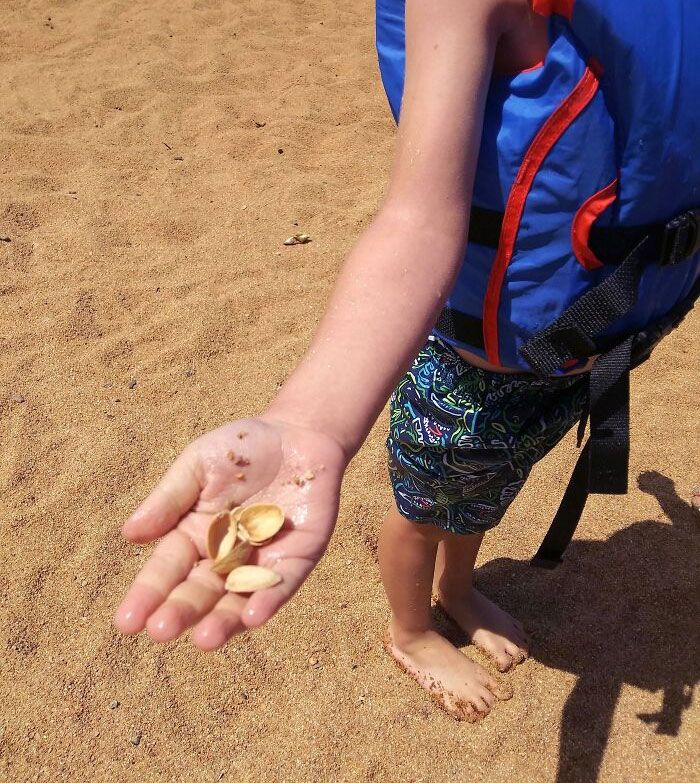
x,y
462,440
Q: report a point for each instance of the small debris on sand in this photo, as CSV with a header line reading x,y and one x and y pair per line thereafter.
x,y
18,398
136,739
132,383
297,239
113,705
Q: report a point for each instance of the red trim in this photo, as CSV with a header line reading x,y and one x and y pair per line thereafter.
x,y
584,220
534,67
513,74
543,142
564,8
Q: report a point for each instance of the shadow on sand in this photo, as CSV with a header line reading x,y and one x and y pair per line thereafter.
x,y
619,611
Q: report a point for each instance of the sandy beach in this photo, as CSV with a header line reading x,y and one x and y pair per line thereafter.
x,y
154,157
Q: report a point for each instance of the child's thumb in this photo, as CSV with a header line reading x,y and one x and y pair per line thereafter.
x,y
171,499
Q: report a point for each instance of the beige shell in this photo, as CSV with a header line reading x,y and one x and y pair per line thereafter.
x,y
297,239
216,532
227,544
236,556
248,579
259,522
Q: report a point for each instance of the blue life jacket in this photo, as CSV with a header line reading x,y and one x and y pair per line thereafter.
x,y
580,157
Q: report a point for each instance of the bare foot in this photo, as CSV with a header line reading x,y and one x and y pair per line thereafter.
x,y
487,626
461,687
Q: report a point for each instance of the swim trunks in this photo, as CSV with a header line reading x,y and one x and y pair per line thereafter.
x,y
462,440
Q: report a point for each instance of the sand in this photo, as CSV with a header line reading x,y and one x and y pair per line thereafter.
x,y
153,158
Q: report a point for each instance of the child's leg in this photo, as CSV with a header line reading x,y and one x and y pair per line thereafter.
x,y
461,444
488,626
407,561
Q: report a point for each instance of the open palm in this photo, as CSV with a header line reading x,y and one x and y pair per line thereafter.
x,y
244,461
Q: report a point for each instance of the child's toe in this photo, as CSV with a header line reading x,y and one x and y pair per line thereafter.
x,y
517,654
504,662
484,697
502,691
464,710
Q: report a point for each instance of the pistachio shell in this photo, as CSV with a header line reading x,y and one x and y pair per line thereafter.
x,y
226,545
260,521
235,557
248,579
232,529
216,533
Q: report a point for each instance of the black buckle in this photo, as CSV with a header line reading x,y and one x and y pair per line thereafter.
x,y
681,238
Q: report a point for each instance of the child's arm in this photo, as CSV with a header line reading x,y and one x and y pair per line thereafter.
x,y
402,267
389,293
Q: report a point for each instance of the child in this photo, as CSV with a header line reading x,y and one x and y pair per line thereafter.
x,y
468,420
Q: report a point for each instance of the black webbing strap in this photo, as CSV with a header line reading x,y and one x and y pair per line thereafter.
x,y
563,526
603,465
460,326
667,243
571,335
485,226
610,425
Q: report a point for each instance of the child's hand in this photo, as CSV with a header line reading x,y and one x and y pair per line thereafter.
x,y
245,461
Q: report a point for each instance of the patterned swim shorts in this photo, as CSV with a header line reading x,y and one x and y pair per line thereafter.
x,y
462,440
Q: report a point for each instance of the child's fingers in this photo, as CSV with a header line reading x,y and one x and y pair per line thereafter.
x,y
236,613
170,563
223,622
186,604
171,499
263,604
